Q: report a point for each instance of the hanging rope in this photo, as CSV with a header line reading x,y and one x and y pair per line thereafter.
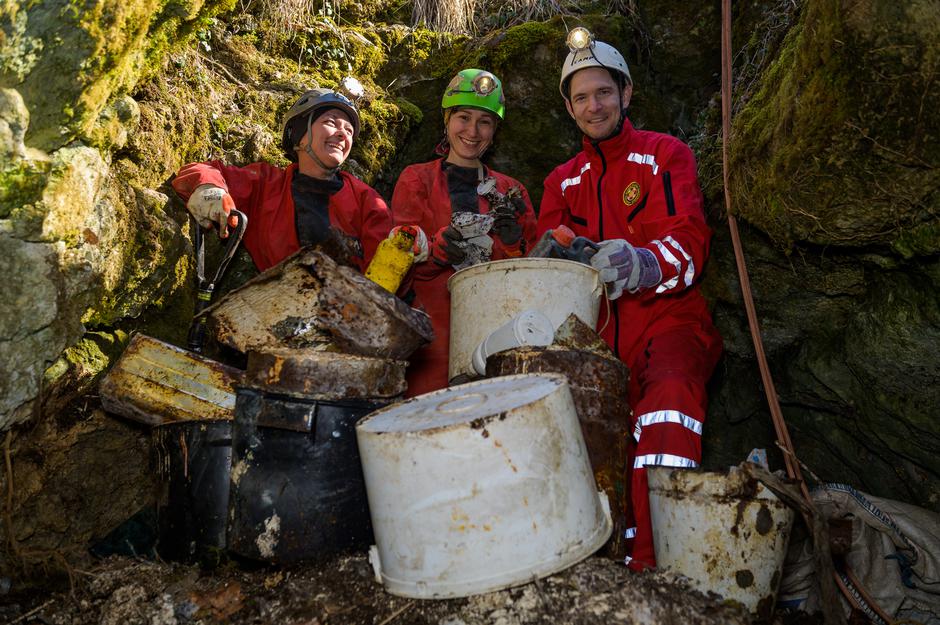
x,y
780,426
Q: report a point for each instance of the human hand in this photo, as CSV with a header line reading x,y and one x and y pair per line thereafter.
x,y
420,249
211,205
445,247
625,267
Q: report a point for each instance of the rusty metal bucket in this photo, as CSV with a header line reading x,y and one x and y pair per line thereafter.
x,y
724,531
297,487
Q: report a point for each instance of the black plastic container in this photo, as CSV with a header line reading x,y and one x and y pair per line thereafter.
x,y
194,459
297,487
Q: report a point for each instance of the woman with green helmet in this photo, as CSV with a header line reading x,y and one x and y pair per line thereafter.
x,y
459,185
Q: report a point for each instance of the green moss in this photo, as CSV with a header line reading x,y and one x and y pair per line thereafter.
x,y
21,184
385,126
830,148
506,48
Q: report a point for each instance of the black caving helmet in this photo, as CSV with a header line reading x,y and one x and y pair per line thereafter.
x,y
305,106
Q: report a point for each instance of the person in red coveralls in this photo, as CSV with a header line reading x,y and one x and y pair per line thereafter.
x,y
291,208
430,194
636,192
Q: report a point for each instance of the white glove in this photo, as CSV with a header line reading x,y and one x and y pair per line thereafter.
x,y
421,249
624,267
210,205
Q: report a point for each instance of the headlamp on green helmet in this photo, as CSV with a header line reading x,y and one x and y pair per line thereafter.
x,y
477,88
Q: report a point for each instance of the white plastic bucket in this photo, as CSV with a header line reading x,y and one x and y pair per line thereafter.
x,y
724,531
486,296
480,487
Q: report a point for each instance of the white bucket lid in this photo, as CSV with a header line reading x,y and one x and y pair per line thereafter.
x,y
463,403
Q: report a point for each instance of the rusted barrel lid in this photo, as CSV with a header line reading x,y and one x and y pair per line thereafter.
x,y
318,374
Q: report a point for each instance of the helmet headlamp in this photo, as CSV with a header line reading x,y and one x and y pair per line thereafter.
x,y
351,88
579,38
484,84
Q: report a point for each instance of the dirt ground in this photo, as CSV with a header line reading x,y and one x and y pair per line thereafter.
x,y
127,591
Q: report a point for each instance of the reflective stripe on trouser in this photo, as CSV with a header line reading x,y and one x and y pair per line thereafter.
x,y
667,393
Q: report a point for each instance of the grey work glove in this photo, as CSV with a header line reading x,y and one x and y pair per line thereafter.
x,y
626,268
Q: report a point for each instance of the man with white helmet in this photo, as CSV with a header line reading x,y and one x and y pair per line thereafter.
x,y
294,207
636,192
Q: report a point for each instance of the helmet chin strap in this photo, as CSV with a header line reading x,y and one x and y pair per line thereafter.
x,y
308,148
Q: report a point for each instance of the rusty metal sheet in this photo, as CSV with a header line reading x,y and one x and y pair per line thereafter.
x,y
598,386
155,383
365,319
575,334
308,300
325,375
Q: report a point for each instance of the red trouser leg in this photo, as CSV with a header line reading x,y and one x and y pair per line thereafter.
x,y
667,392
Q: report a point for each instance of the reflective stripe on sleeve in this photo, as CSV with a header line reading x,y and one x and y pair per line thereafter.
x,y
689,275
665,460
670,258
568,182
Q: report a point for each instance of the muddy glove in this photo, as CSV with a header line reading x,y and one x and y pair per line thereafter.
x,y
445,249
625,268
210,205
420,248
507,229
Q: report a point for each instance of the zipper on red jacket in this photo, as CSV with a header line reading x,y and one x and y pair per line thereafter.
x,y
600,236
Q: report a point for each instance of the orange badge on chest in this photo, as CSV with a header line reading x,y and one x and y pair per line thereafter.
x,y
631,194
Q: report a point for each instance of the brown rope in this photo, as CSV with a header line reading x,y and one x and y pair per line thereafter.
x,y
780,426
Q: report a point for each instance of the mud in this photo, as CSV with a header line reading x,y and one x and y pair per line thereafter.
x,y
343,590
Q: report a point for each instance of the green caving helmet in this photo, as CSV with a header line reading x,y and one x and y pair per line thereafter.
x,y
476,88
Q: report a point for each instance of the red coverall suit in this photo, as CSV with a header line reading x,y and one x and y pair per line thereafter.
x,y
263,193
422,197
642,186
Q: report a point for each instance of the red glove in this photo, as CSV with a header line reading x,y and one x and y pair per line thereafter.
x,y
444,248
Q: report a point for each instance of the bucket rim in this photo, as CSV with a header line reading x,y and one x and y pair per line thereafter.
x,y
555,378
518,263
730,483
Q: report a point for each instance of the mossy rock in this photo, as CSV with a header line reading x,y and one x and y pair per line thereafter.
x,y
835,146
69,59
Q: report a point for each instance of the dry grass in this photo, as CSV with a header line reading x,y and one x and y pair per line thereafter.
x,y
450,16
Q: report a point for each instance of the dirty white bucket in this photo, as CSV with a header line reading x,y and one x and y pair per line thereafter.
x,y
486,296
479,487
724,531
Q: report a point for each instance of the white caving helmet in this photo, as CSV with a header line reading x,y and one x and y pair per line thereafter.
x,y
586,52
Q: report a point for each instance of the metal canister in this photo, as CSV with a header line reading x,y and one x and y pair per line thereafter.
x,y
297,490
193,458
599,387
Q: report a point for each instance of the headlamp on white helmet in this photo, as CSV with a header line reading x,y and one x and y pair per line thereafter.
x,y
579,38
587,52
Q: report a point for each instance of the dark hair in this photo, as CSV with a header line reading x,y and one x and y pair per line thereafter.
x,y
297,128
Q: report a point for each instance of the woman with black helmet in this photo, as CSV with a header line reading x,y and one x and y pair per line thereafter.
x,y
430,194
290,208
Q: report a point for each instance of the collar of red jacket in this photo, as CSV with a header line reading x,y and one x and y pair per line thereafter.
x,y
611,145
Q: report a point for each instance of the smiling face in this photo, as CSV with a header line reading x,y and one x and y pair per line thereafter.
x,y
330,138
469,133
595,101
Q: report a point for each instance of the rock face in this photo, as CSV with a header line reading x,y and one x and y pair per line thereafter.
x,y
836,161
